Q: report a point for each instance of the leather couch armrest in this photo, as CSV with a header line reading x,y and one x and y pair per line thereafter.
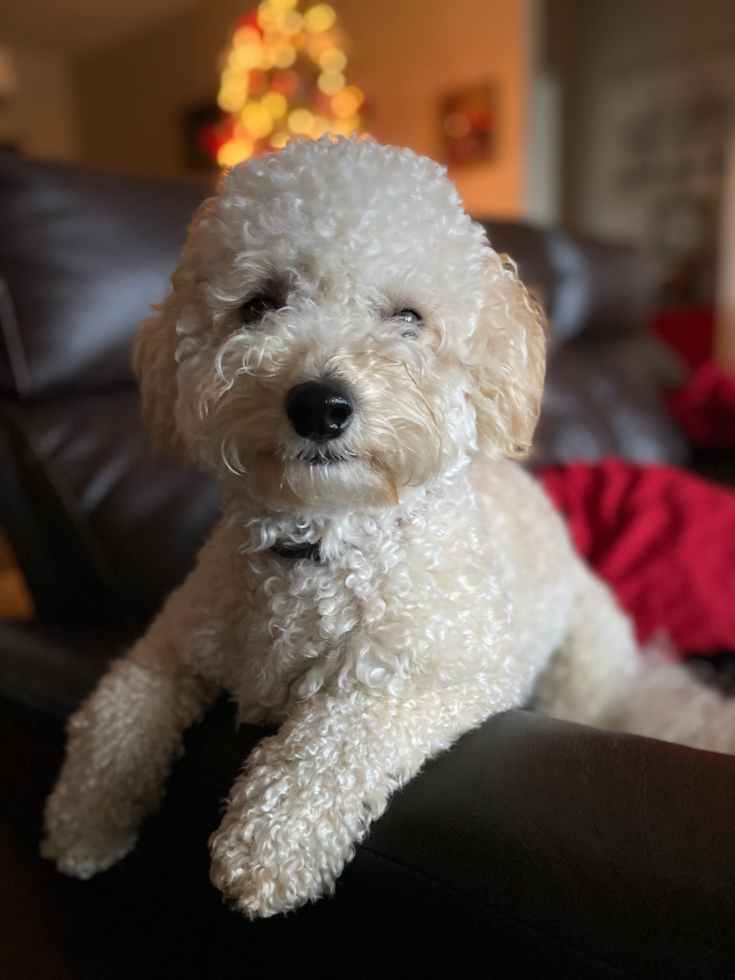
x,y
533,848
620,847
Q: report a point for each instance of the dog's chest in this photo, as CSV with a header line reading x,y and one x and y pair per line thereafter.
x,y
306,608
308,623
406,606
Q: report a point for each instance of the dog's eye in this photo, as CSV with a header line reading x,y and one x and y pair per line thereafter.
x,y
410,321
256,308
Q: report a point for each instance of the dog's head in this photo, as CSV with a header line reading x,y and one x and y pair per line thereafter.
x,y
339,330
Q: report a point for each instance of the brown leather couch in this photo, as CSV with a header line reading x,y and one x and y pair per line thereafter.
x,y
532,849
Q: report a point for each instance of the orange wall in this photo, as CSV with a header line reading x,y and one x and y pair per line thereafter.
x,y
406,55
411,56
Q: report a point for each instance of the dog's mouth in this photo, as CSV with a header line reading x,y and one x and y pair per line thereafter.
x,y
324,456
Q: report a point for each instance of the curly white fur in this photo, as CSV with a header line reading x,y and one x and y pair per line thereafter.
x,y
447,583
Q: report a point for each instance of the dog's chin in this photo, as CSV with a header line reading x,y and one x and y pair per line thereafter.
x,y
318,455
325,481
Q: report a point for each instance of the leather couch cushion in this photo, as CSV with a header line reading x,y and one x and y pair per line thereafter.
x,y
621,286
119,525
605,374
602,397
83,255
53,668
585,286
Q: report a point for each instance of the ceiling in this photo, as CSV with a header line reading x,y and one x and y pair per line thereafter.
x,y
78,25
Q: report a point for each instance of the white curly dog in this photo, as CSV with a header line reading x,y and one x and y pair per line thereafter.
x,y
347,355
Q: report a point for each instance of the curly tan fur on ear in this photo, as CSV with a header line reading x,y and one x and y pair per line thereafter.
x,y
154,362
508,361
154,355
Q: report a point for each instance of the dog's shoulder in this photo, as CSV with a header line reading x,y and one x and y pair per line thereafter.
x,y
502,481
512,504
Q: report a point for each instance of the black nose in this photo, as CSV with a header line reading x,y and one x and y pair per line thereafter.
x,y
318,410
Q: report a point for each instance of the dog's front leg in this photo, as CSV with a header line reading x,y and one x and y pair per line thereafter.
x,y
121,745
308,794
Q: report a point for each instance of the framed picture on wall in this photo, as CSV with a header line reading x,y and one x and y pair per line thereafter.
x,y
469,125
656,173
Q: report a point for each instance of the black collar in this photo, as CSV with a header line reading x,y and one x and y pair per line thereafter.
x,y
291,549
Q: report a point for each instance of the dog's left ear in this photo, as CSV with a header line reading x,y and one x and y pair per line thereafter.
x,y
507,361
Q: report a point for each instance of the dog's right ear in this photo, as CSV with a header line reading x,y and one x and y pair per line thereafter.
x,y
154,354
154,362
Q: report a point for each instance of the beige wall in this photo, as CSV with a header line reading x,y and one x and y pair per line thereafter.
x,y
413,54
405,54
39,117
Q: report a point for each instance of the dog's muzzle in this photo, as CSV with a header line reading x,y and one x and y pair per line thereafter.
x,y
319,410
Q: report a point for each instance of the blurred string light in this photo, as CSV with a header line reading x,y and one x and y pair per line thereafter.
x,y
283,76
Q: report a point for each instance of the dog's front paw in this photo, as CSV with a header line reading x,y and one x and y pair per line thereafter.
x,y
262,878
270,862
79,838
83,854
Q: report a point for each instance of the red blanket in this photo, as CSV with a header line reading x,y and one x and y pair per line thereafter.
x,y
663,539
705,407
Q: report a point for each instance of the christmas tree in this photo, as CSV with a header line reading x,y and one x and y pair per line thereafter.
x,y
283,76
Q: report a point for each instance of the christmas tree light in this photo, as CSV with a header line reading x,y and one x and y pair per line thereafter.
x,y
283,76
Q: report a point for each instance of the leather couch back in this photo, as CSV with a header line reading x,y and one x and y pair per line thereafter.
x,y
83,255
104,527
586,287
